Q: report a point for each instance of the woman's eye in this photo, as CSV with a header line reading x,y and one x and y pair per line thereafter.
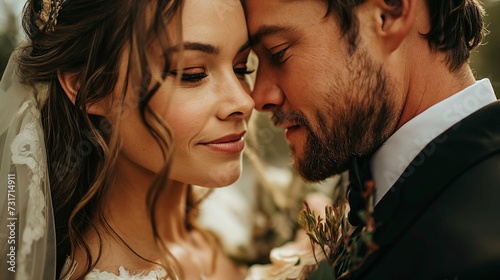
x,y
241,72
193,78
190,77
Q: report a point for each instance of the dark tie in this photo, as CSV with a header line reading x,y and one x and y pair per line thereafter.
x,y
359,174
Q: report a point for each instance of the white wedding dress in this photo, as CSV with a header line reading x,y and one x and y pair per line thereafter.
x,y
158,274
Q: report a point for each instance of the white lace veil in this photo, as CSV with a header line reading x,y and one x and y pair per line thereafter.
x,y
28,246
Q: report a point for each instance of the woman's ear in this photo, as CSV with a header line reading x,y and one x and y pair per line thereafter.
x,y
70,83
397,19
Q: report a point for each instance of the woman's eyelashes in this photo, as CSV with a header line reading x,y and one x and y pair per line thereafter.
x,y
193,78
189,76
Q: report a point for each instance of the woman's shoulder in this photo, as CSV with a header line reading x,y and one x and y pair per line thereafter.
x,y
123,274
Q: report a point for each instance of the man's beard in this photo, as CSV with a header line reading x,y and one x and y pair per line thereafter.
x,y
360,122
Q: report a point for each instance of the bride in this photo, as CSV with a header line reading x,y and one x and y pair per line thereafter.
x,y
139,100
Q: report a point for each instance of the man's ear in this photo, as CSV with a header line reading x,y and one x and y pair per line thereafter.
x,y
397,18
71,85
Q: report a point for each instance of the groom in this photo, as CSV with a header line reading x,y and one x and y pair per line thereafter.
x,y
384,88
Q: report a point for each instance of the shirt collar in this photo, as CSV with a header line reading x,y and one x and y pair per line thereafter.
x,y
389,162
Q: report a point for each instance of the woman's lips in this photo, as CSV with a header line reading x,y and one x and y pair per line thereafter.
x,y
228,147
231,144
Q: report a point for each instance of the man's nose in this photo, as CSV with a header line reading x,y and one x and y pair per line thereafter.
x,y
267,93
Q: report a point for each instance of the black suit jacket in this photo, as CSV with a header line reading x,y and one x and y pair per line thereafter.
x,y
441,219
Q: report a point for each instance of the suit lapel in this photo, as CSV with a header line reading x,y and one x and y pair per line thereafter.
x,y
438,164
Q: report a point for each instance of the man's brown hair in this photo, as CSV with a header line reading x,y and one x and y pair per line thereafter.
x,y
457,26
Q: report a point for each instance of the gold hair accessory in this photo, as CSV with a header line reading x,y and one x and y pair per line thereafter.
x,y
47,17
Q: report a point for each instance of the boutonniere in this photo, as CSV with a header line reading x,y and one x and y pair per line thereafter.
x,y
344,248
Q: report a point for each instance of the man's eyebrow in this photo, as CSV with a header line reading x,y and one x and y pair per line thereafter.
x,y
266,31
194,46
244,47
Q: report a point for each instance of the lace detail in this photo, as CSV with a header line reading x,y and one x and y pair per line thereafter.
x,y
27,150
124,274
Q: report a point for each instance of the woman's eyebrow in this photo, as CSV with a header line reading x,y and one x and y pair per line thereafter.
x,y
195,46
206,48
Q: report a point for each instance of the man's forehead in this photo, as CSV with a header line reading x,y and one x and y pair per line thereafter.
x,y
275,16
268,30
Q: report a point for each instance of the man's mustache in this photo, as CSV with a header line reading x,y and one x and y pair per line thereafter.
x,y
296,118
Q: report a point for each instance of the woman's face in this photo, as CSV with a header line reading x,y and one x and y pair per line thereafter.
x,y
207,112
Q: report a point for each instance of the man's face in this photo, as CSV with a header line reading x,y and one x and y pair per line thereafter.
x,y
333,105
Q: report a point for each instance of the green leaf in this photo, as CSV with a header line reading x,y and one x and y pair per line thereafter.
x,y
324,272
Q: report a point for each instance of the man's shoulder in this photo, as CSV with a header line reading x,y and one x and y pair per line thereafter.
x,y
458,148
439,223
457,235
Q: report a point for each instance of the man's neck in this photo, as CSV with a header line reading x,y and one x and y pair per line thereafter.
x,y
431,87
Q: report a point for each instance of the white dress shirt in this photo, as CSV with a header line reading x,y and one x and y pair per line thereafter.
x,y
390,161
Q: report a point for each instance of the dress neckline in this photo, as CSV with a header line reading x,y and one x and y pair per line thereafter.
x,y
123,274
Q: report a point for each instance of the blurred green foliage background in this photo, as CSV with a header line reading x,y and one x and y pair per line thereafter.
x,y
9,30
485,61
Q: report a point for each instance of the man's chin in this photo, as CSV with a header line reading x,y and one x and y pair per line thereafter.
x,y
314,170
315,161
307,174
299,166
312,177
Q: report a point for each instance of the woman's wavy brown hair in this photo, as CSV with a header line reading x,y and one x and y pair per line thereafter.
x,y
457,26
90,40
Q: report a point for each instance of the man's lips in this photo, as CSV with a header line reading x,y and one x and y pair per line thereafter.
x,y
289,126
291,122
291,131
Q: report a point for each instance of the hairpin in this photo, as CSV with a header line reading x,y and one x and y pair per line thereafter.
x,y
47,17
